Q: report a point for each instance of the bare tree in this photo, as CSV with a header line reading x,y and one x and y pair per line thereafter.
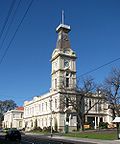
x,y
89,90
112,88
75,102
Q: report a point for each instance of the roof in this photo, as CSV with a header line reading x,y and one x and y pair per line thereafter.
x,y
20,108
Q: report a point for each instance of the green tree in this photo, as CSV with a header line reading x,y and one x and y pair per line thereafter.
x,y
5,106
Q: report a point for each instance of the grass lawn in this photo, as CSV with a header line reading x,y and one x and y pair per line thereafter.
x,y
103,135
92,134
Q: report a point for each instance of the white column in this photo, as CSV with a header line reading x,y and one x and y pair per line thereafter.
x,y
95,123
98,120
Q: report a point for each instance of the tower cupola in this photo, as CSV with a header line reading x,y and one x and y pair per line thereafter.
x,y
63,41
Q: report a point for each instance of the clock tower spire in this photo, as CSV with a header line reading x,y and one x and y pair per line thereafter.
x,y
62,16
63,38
63,60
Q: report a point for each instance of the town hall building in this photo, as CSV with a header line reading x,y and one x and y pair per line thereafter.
x,y
49,109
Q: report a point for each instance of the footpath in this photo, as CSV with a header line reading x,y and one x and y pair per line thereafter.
x,y
91,141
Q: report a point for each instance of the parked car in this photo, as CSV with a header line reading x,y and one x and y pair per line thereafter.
x,y
13,134
1,130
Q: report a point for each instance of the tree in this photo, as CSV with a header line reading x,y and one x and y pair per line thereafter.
x,y
88,89
5,106
76,102
112,90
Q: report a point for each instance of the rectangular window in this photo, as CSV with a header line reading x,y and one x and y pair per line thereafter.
x,y
96,107
20,123
46,121
32,110
46,105
50,103
89,103
42,122
13,115
27,111
67,82
99,107
42,106
55,83
21,115
39,107
55,103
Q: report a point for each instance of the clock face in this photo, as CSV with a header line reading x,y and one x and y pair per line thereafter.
x,y
66,63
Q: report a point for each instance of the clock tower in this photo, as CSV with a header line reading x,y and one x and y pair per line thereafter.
x,y
63,73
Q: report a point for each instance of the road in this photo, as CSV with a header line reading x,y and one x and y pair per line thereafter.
x,y
37,139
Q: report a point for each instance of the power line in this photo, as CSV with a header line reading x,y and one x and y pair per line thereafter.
x,y
12,19
98,67
16,31
7,18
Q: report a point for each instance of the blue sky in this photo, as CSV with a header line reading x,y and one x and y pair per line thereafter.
x,y
95,37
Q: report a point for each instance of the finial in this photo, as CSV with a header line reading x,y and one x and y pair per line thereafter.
x,y
62,25
62,16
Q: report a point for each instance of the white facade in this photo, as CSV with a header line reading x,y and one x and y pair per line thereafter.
x,y
42,109
99,113
13,119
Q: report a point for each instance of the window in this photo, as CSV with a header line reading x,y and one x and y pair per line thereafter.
x,y
99,107
42,106
89,103
21,115
20,123
46,121
55,83
42,122
86,104
27,111
67,102
96,107
13,115
39,107
46,105
55,103
67,82
32,110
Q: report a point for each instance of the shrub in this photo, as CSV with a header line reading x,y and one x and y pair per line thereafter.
x,y
60,129
103,125
47,129
37,129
